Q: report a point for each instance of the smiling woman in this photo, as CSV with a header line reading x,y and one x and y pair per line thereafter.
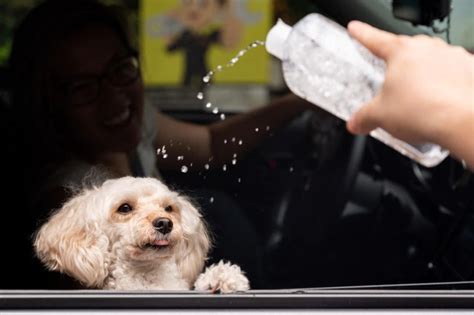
x,y
102,98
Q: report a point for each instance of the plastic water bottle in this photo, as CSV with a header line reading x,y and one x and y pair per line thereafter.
x,y
323,64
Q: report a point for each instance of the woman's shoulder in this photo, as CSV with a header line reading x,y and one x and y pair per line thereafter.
x,y
64,181
78,173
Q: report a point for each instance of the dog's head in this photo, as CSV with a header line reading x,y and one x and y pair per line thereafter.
x,y
134,220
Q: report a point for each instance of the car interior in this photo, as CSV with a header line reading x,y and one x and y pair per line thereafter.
x,y
333,210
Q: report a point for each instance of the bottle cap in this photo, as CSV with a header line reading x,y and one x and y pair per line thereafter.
x,y
276,38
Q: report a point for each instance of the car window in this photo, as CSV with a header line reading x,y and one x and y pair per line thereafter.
x,y
334,212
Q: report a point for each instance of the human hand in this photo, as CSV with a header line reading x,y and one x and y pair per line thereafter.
x,y
428,88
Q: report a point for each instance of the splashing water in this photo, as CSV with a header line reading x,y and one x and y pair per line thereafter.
x,y
184,169
208,77
215,110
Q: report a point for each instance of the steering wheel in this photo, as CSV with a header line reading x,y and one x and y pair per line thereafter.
x,y
325,172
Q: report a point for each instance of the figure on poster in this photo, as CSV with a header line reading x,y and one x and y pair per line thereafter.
x,y
195,25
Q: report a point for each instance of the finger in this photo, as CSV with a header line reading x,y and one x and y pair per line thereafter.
x,y
364,120
379,42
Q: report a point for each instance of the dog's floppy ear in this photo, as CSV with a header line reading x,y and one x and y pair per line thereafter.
x,y
71,242
196,243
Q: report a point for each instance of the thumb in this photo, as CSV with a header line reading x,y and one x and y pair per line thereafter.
x,y
379,42
365,119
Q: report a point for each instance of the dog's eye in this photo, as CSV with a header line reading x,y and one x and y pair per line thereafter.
x,y
169,208
124,208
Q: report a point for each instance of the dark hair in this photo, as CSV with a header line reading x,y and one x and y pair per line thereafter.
x,y
34,43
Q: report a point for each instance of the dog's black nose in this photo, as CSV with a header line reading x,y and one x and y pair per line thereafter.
x,y
163,225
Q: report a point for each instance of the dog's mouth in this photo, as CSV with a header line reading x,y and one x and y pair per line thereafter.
x,y
157,244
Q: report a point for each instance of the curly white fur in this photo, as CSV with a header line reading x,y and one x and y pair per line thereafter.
x,y
222,277
107,237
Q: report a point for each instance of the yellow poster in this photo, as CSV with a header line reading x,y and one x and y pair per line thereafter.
x,y
182,40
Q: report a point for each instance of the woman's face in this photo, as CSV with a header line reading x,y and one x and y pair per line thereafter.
x,y
99,90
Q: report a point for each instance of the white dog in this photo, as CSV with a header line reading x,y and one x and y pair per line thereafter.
x,y
133,233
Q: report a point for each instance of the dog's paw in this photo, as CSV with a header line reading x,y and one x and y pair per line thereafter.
x,y
222,277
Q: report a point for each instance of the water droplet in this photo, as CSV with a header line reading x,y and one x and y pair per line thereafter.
x,y
222,116
211,200
234,161
184,169
206,79
206,166
240,142
180,157
215,110
267,128
165,156
233,139
200,96
158,151
239,180
208,105
219,68
225,140
241,53
291,169
256,129
235,155
190,164
224,167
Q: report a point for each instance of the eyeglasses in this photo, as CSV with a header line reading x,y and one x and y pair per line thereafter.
x,y
120,74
